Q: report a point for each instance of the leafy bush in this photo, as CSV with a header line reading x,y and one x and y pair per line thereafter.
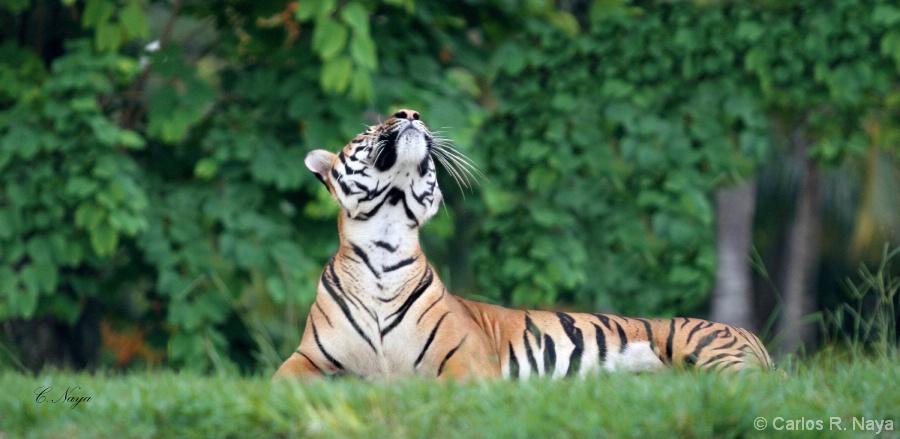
x,y
607,146
166,187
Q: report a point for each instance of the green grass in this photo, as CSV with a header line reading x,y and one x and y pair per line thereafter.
x,y
670,404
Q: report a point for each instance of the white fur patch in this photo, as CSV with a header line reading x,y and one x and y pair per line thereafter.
x,y
637,357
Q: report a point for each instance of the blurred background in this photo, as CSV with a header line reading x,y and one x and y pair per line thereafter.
x,y
732,160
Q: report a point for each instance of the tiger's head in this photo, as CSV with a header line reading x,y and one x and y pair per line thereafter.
x,y
387,168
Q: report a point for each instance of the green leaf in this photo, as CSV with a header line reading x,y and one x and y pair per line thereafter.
x,y
9,283
134,20
104,239
108,36
105,131
48,276
7,224
276,289
23,301
126,223
329,38
131,139
88,215
890,46
357,17
305,11
565,22
336,74
40,250
96,12
23,140
206,168
887,15
361,86
362,50
749,31
31,278
5,157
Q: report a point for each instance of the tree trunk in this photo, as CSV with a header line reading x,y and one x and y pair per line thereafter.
x,y
802,261
732,301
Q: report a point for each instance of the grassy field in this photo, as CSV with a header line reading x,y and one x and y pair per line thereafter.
x,y
859,393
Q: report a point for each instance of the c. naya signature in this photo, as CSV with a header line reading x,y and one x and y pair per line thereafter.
x,y
68,396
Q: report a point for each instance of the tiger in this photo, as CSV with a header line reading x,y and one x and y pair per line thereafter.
x,y
382,311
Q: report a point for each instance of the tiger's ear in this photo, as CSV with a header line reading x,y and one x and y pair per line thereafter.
x,y
319,162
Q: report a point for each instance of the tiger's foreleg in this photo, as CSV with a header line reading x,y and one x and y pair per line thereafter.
x,y
305,363
298,365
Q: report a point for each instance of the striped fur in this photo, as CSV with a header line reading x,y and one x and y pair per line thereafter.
x,y
382,310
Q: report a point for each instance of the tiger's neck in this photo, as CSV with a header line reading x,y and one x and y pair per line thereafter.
x,y
383,254
391,238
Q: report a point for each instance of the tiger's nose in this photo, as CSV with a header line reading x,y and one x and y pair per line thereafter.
x,y
407,114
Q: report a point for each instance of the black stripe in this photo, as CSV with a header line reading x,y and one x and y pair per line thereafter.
x,y
535,331
450,354
399,265
395,196
321,311
427,193
700,325
353,299
670,340
649,334
623,339
337,364
346,189
365,258
386,246
549,355
400,291
601,344
759,350
529,353
719,357
342,304
366,215
724,366
728,345
430,339
704,342
371,193
310,361
431,306
400,313
387,154
513,363
575,335
423,165
604,319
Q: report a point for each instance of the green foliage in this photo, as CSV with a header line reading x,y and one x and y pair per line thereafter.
x,y
606,150
70,188
169,186
168,404
343,40
871,322
114,25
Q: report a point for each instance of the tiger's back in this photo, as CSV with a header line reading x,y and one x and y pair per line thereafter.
x,y
566,344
